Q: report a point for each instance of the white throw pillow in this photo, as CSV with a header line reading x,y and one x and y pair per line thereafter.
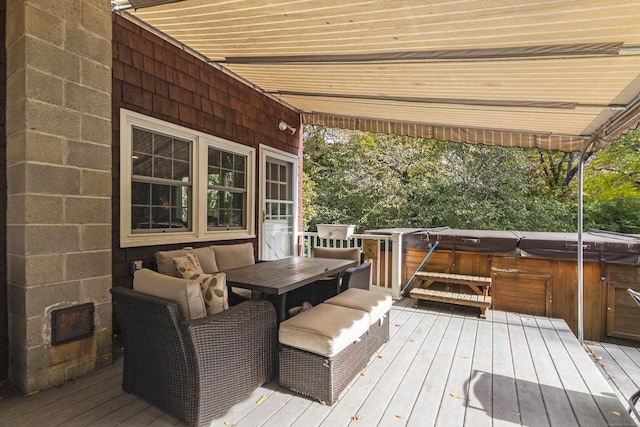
x,y
212,286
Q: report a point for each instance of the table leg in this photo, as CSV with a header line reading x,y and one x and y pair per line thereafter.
x,y
283,307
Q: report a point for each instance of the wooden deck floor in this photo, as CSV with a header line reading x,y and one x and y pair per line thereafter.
x,y
441,367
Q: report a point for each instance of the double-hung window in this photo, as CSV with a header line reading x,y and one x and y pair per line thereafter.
x,y
226,189
179,185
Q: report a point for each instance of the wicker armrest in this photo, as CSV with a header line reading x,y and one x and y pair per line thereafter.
x,y
235,352
244,316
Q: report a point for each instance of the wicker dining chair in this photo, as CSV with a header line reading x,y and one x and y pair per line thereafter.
x,y
356,277
194,369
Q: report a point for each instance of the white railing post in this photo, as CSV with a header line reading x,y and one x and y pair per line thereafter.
x,y
388,261
396,265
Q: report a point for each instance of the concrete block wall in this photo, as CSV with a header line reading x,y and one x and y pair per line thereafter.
x,y
58,184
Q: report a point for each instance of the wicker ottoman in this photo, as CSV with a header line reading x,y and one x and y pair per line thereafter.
x,y
377,305
322,350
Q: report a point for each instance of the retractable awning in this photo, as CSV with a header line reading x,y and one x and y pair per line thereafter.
x,y
554,74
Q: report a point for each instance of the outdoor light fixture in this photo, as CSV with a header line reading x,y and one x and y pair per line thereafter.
x,y
284,126
118,5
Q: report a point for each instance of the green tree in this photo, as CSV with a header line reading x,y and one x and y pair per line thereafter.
x,y
379,181
612,186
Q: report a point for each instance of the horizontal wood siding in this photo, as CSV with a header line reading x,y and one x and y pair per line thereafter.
x,y
546,287
522,292
623,312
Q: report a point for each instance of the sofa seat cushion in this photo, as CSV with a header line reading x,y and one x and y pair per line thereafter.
x,y
206,258
213,286
376,304
233,256
326,329
186,293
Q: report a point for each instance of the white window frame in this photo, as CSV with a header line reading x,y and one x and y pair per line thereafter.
x,y
201,142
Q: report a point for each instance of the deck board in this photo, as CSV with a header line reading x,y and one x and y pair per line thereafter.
x,y
530,399
556,401
442,366
505,398
401,403
582,404
432,392
397,356
480,393
452,408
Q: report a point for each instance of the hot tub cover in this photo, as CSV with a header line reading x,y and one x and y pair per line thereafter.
x,y
598,245
474,240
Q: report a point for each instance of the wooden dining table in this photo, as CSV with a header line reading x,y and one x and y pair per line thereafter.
x,y
284,275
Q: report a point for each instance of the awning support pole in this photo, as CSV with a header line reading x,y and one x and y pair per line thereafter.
x,y
580,251
580,241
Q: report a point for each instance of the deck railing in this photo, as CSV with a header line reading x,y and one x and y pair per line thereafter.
x,y
384,251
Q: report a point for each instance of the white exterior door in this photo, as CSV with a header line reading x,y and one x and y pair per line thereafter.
x,y
279,195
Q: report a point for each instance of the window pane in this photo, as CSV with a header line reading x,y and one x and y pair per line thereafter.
x,y
142,141
140,217
227,179
142,165
140,193
181,171
162,168
236,219
181,150
238,180
238,201
227,160
213,178
163,146
240,163
214,157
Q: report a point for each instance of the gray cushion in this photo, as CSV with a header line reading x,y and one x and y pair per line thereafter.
x,y
376,304
337,253
325,329
206,257
233,256
186,293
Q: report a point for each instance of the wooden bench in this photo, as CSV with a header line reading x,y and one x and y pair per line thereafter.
x,y
478,284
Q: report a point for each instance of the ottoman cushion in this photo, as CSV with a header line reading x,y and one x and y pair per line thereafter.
x,y
376,304
326,329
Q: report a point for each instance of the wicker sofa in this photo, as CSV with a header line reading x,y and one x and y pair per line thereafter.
x,y
194,368
213,259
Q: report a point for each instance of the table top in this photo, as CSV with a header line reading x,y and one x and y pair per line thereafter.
x,y
283,275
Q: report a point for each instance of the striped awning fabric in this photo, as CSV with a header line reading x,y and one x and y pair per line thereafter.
x,y
553,74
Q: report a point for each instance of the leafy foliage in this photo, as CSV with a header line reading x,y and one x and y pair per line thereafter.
x,y
612,186
381,181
